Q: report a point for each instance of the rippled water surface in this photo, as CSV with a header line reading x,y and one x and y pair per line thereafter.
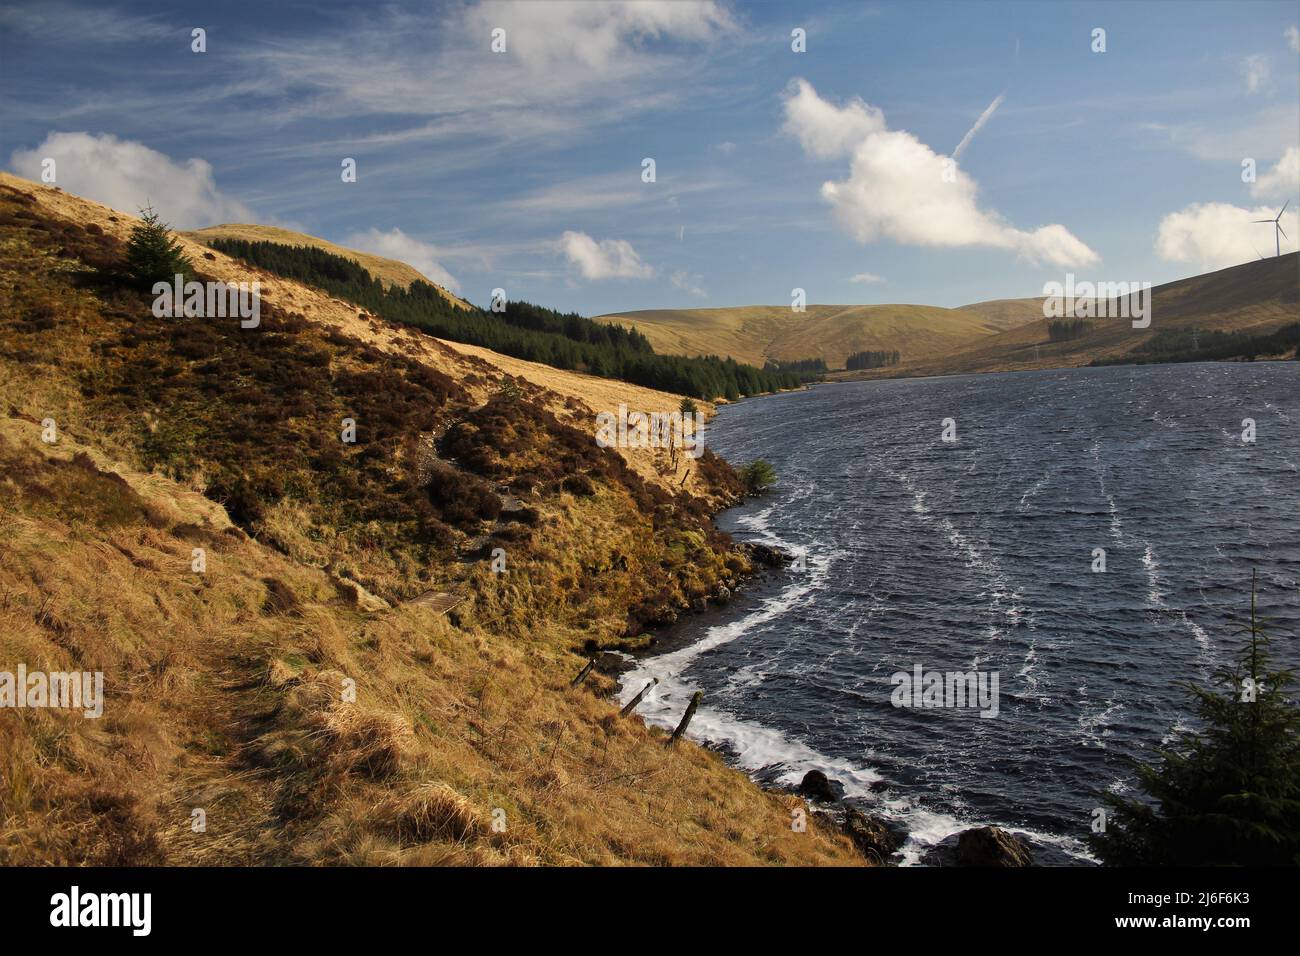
x,y
978,554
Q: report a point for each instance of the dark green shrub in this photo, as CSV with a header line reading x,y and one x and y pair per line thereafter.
x,y
758,476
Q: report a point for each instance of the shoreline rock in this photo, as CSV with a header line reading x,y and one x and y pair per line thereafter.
x,y
818,786
873,836
764,554
981,846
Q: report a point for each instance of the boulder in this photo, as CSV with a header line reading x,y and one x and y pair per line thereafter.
x,y
875,838
765,554
818,786
992,846
981,846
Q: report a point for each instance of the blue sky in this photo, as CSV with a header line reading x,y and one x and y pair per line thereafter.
x,y
774,169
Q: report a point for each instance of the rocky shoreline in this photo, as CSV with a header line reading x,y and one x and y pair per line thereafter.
x,y
612,657
878,840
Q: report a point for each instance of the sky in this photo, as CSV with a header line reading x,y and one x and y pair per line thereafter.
x,y
923,153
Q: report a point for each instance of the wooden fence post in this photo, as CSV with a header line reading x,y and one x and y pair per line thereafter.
x,y
631,704
686,718
582,674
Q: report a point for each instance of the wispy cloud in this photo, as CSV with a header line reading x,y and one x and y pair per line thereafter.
x,y
604,192
1267,131
559,59
67,24
594,35
607,191
866,278
1255,68
688,282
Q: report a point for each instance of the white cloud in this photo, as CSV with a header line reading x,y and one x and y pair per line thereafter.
x,y
607,259
1217,235
896,187
396,244
1283,179
825,130
689,283
1255,69
866,278
1292,35
979,124
128,175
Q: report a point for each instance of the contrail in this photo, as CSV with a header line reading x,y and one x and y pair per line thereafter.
x,y
984,118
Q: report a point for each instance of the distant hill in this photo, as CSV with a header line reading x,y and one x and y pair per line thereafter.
x,y
756,333
1002,314
1255,297
388,271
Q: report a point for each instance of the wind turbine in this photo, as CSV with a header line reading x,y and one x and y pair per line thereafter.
x,y
1277,223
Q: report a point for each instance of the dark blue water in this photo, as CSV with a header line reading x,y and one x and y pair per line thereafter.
x,y
978,554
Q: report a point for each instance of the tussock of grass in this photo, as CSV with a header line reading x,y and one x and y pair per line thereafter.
x,y
430,812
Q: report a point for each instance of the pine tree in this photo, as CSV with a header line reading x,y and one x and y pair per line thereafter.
x,y
1228,794
152,255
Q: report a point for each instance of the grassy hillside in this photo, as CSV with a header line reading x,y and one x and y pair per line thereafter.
x,y
1256,297
329,568
388,271
757,333
525,330
1002,314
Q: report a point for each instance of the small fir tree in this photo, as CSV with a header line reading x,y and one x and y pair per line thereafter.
x,y
1229,793
153,254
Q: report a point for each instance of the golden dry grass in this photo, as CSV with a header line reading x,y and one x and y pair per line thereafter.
x,y
1256,297
756,333
304,729
214,702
